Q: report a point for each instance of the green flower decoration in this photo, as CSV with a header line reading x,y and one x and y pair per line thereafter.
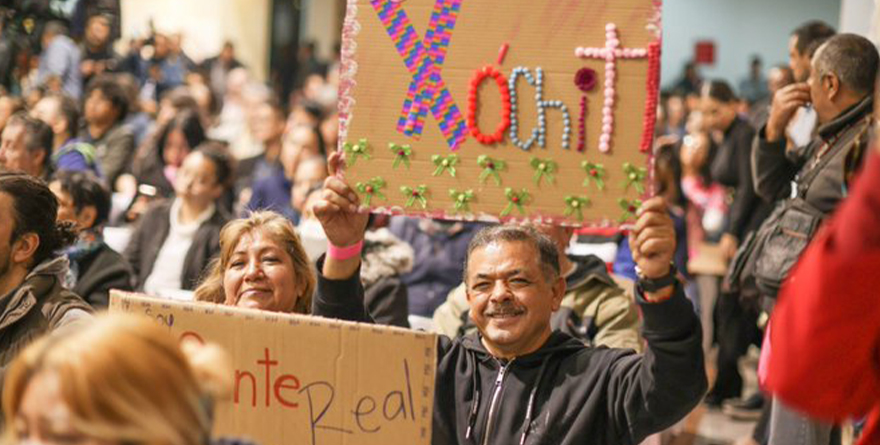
x,y
461,199
444,163
635,176
629,208
491,167
354,151
544,168
517,200
402,154
575,205
595,173
415,194
371,188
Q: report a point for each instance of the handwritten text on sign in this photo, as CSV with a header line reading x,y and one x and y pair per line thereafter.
x,y
308,380
511,109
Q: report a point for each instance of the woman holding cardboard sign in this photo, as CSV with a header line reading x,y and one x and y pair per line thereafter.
x,y
262,265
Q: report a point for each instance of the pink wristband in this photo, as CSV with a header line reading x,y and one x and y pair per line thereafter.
x,y
344,253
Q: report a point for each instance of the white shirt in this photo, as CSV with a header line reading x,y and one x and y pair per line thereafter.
x,y
801,128
168,267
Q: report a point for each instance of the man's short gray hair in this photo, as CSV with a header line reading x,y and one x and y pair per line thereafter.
x,y
547,251
853,59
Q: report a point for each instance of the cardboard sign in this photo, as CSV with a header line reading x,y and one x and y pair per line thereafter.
x,y
309,380
501,109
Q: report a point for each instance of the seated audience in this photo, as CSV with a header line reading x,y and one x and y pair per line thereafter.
x,y
95,268
26,146
440,248
161,159
105,109
274,192
61,114
33,299
310,173
177,238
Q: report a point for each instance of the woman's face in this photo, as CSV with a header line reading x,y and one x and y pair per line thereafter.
x,y
44,417
300,144
717,115
176,148
196,182
260,275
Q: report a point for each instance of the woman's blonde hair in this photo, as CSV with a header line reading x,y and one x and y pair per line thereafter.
x,y
125,379
280,230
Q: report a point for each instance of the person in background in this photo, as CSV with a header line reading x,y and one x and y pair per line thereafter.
x,y
707,199
824,347
216,69
261,265
330,131
802,45
274,192
736,323
34,299
304,113
61,113
690,81
440,248
310,173
779,77
26,146
95,268
9,105
138,120
594,309
59,62
158,163
269,131
177,238
154,389
385,259
754,87
840,89
105,109
98,56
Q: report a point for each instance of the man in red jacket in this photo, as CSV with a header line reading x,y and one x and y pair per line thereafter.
x,y
826,328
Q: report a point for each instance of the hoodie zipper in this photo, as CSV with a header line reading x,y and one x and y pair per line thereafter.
x,y
499,381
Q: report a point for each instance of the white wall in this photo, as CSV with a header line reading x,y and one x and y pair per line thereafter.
x,y
320,23
860,17
740,28
206,24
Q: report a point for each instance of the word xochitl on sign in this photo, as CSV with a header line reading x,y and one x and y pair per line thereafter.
x,y
501,109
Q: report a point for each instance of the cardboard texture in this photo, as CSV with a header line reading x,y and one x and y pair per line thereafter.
x,y
406,94
309,380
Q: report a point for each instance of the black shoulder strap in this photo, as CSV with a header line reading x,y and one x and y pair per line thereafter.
x,y
806,181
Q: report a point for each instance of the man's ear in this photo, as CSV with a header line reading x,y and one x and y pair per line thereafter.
x,y
86,217
831,85
40,157
24,248
558,293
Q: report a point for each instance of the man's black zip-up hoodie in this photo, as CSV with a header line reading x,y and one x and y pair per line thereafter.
x,y
565,392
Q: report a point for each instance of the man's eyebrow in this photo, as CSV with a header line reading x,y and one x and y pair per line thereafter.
x,y
507,274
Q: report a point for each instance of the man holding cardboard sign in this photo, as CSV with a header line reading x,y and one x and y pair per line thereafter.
x,y
516,381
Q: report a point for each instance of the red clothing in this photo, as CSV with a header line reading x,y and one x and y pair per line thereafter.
x,y
826,326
